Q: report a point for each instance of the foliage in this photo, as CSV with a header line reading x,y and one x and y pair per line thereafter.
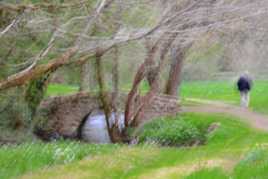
x,y
172,132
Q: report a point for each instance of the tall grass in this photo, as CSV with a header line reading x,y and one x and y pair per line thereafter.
x,y
18,159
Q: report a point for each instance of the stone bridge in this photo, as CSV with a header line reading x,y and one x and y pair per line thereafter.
x,y
64,115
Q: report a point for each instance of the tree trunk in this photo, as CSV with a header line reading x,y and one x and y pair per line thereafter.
x,y
84,76
101,83
134,105
115,82
113,130
174,78
115,71
150,61
87,76
35,92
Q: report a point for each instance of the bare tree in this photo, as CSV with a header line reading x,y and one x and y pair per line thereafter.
x,y
186,22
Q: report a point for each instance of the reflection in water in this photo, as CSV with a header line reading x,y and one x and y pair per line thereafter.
x,y
95,128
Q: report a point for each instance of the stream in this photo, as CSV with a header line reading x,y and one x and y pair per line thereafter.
x,y
95,130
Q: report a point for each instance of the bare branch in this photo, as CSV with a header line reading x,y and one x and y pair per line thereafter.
x,y
8,28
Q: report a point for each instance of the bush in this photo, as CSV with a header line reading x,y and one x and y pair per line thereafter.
x,y
172,132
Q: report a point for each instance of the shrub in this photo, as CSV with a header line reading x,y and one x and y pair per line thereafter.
x,y
172,132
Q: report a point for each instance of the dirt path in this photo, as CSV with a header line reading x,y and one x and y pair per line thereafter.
x,y
259,121
185,169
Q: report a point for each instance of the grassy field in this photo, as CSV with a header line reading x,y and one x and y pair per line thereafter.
x,y
234,150
60,89
15,160
228,151
210,90
226,91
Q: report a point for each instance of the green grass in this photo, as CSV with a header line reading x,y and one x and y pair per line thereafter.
x,y
226,91
60,90
212,90
253,165
229,143
16,160
209,90
208,173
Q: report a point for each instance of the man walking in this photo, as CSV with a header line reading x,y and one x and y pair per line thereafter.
x,y
244,85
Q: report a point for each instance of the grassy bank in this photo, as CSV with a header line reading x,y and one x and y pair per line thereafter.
x,y
234,150
16,160
225,147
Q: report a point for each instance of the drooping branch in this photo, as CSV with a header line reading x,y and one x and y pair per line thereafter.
x,y
34,69
8,27
21,78
27,74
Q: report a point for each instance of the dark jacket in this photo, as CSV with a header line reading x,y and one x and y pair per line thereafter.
x,y
244,83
